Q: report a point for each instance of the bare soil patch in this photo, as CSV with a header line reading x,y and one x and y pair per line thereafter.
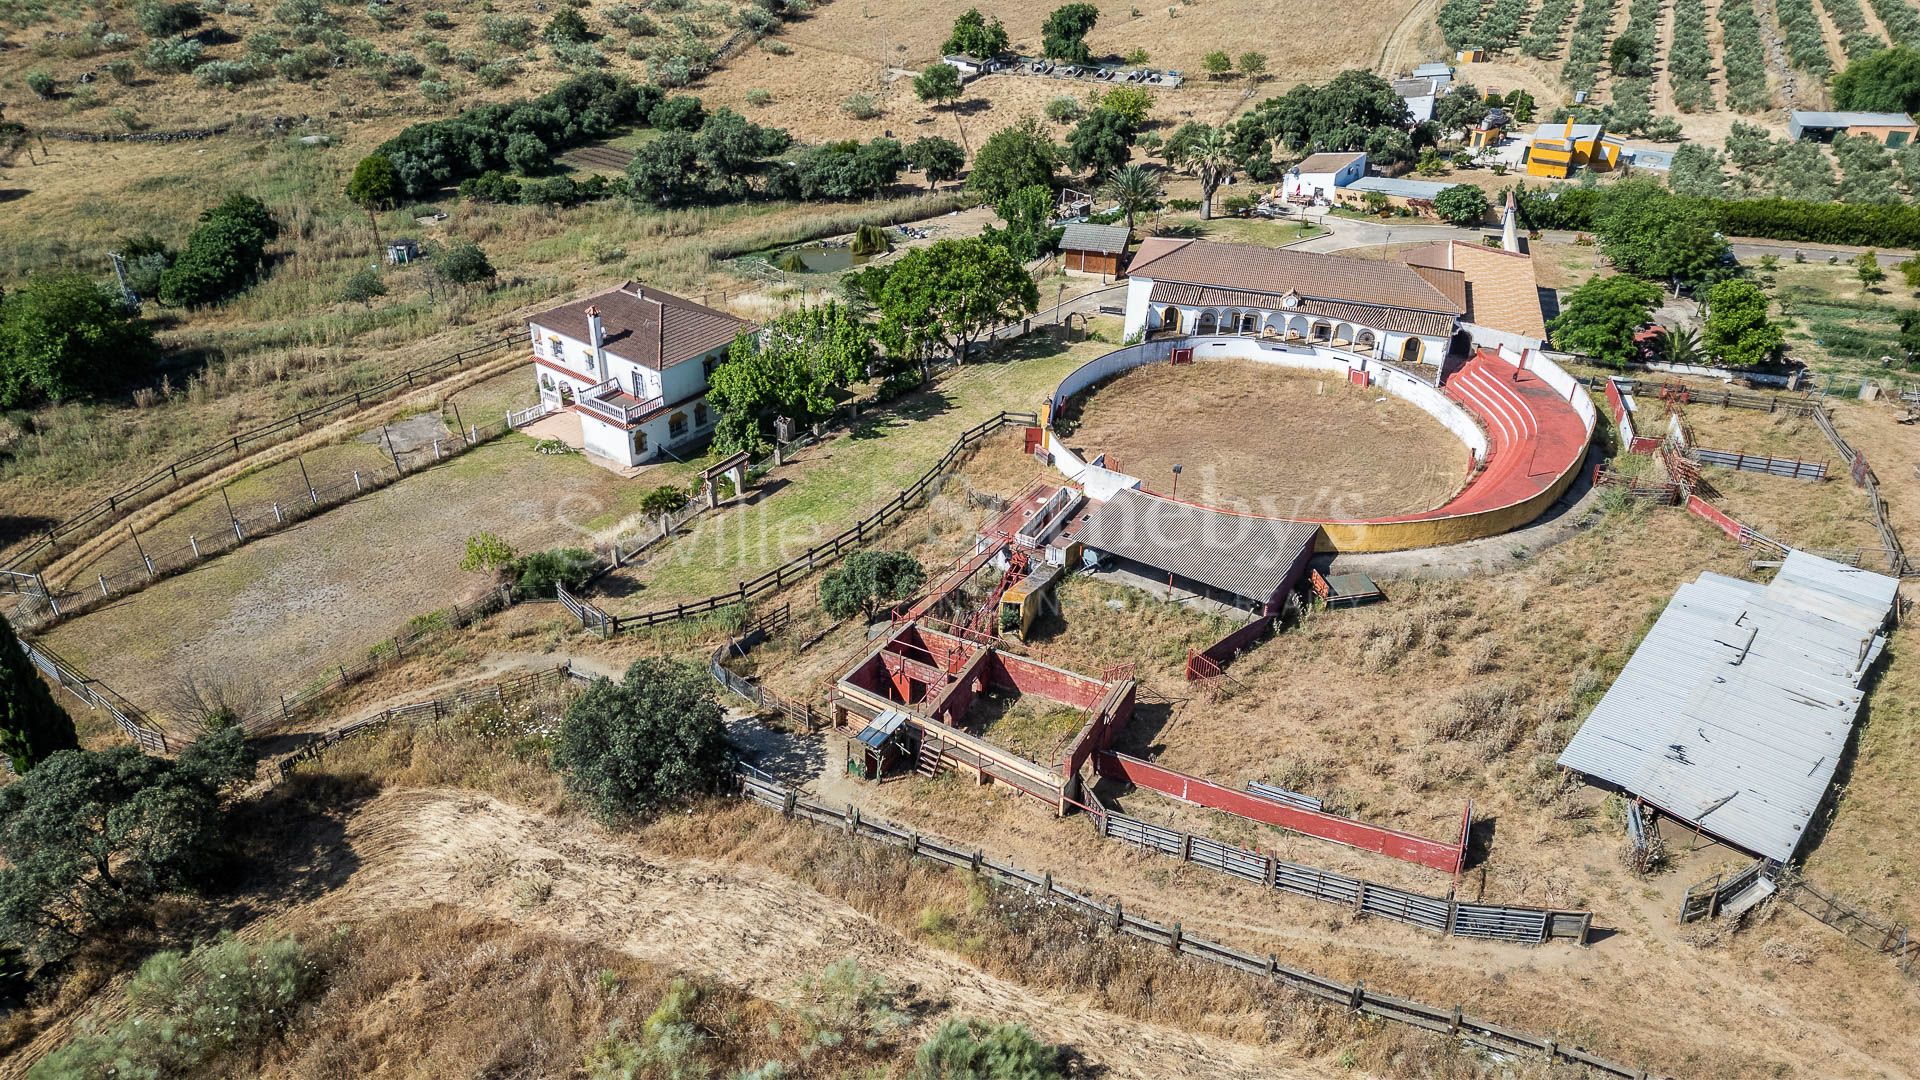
x,y
1250,436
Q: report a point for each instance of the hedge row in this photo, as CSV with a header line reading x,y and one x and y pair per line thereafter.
x,y
1885,226
1847,17
1901,21
1690,60
1745,57
1544,35
1806,40
1588,44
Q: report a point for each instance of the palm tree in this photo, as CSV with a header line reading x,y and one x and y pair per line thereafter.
x,y
1679,345
1204,153
1134,189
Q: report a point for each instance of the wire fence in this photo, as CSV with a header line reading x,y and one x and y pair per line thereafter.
x,y
1876,933
38,554
156,557
535,696
1452,1022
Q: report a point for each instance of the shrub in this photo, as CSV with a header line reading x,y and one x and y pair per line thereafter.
x,y
463,263
41,84
222,254
868,579
512,33
362,286
681,112
1064,110
122,71
861,107
974,1050
496,74
567,25
173,55
486,551
225,73
159,19
654,738
537,573
759,96
438,20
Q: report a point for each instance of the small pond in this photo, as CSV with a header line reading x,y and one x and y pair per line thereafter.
x,y
817,259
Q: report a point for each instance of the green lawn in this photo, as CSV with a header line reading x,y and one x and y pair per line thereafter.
x,y
849,477
1259,231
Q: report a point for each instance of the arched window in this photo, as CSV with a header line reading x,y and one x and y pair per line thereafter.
x,y
700,415
1209,323
1322,332
1410,350
639,442
677,425
1249,322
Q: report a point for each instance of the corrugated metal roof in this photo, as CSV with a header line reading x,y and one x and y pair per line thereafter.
x,y
1246,556
1735,710
1105,239
1806,118
1394,185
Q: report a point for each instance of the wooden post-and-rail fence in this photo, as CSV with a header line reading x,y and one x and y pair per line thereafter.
x,y
1454,1022
174,474
821,555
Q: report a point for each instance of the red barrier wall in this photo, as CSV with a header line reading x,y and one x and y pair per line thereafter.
x,y
1700,507
1223,651
1446,858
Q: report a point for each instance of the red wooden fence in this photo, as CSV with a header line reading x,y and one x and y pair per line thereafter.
x,y
1700,507
1446,858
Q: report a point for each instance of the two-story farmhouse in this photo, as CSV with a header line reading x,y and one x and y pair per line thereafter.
x,y
633,362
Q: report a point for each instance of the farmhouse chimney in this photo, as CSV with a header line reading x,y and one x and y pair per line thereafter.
x,y
597,338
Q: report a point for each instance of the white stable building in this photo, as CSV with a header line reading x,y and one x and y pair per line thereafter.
x,y
1318,177
1388,310
633,362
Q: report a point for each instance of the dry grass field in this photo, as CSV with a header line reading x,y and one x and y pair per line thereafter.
x,y
1254,437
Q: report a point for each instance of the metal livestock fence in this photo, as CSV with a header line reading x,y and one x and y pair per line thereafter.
x,y
174,474
1452,1022
149,561
1791,468
143,731
1437,914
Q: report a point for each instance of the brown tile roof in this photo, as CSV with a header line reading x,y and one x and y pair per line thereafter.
x,y
1278,271
646,326
1502,292
1398,320
1327,163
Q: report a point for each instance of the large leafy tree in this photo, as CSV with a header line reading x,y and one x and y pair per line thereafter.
x,y
1459,108
222,254
1599,319
1063,35
868,579
947,295
374,186
666,171
1028,214
940,85
32,724
1100,143
65,336
652,739
938,159
976,36
1886,81
1013,158
1205,153
792,367
1342,114
1739,333
1650,232
86,836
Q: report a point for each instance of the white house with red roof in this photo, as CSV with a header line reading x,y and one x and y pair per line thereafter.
x,y
633,362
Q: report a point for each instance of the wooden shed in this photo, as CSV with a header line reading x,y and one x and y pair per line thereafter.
x,y
1094,249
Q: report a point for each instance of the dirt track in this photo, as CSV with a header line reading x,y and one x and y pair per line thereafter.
x,y
751,929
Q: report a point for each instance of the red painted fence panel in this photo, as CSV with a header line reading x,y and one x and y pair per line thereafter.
x,y
1700,507
1446,858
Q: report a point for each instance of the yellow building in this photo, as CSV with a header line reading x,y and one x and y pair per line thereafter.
x,y
1558,154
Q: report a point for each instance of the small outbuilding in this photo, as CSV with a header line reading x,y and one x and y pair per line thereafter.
x,y
1400,193
1891,129
1317,177
1094,249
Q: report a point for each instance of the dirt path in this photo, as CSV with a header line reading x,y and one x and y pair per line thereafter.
x,y
744,927
1404,48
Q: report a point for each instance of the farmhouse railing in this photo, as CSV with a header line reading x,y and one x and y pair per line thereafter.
x,y
1453,1022
176,473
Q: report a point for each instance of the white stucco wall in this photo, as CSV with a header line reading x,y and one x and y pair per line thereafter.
x,y
606,440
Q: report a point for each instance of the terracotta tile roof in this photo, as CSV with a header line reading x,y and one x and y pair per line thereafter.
x,y
646,326
1398,320
1502,292
1278,271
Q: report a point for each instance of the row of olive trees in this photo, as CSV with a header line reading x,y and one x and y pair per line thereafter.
x,y
1587,45
1745,57
1690,58
1806,38
1851,21
1543,34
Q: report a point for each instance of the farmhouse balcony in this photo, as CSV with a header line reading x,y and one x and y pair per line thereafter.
x,y
608,402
